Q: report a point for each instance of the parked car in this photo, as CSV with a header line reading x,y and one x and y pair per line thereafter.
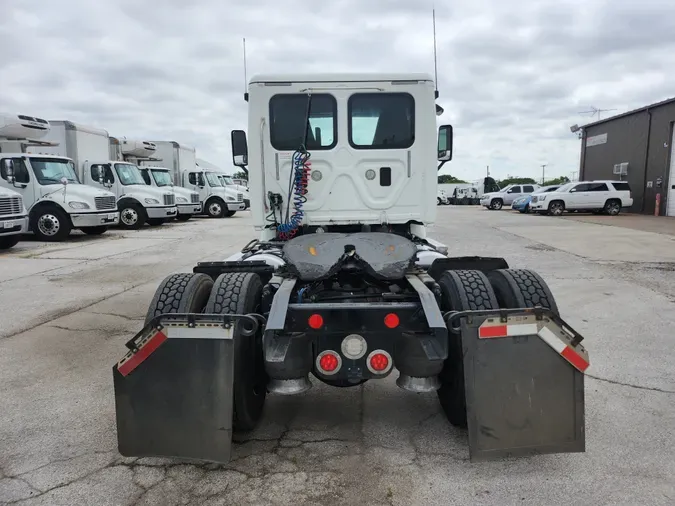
x,y
607,197
522,204
506,195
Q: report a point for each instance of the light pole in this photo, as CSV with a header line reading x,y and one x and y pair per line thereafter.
x,y
543,172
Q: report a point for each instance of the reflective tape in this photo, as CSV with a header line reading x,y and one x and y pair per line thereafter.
x,y
131,362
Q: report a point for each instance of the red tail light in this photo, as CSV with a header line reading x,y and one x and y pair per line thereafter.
x,y
392,320
328,362
315,321
379,362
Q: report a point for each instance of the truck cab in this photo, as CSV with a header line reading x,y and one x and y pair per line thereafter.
x,y
229,183
187,201
13,214
54,195
219,201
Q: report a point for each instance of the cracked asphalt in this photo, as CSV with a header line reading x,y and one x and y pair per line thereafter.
x,y
66,310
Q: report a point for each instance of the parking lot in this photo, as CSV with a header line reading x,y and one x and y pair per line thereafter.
x,y
67,309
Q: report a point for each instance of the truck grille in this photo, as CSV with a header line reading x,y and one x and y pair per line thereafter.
x,y
169,199
103,203
194,198
240,197
11,205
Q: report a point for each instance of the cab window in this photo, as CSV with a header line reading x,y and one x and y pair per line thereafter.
x,y
528,189
515,189
381,120
297,119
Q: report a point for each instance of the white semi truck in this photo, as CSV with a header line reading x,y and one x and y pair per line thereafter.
x,y
55,197
90,149
217,201
344,286
13,214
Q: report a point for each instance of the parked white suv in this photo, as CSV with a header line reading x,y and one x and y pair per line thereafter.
x,y
506,196
597,196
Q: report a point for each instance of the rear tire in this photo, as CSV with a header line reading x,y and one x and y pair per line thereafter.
x,y
95,230
180,293
496,204
9,241
241,293
612,207
229,214
183,217
461,291
521,288
156,222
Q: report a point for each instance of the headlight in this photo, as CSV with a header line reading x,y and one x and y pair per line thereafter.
x,y
181,199
231,199
542,198
78,205
151,201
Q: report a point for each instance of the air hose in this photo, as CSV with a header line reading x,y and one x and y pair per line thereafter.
x,y
300,180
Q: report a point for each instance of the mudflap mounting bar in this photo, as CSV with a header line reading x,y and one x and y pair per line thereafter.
x,y
173,389
524,382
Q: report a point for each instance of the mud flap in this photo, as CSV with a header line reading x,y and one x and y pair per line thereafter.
x,y
173,390
523,372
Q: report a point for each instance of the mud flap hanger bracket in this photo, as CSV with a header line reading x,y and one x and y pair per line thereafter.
x,y
194,320
452,318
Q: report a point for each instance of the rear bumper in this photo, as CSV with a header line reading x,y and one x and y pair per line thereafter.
x,y
189,209
95,219
13,225
161,212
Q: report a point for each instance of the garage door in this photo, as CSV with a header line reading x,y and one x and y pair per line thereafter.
x,y
670,210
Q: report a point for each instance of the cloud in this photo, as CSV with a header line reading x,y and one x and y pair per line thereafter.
x,y
512,75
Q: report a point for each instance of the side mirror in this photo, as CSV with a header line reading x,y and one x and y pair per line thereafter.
x,y
573,190
64,181
9,170
99,174
239,148
445,143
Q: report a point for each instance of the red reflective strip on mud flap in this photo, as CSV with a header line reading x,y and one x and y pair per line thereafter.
x,y
494,331
567,352
143,352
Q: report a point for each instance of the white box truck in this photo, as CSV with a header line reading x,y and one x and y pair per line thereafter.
x,y
90,149
217,201
53,193
137,152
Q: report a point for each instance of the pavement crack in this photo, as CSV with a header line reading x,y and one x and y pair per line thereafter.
x,y
631,385
125,317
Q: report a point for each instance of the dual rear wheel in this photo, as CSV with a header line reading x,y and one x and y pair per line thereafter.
x,y
231,293
472,290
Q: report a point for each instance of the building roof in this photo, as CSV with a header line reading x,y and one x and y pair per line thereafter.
x,y
629,113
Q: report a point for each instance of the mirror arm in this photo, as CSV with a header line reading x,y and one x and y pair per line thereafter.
x,y
440,165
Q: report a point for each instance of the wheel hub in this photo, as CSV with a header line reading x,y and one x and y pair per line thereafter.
x,y
129,216
49,225
214,208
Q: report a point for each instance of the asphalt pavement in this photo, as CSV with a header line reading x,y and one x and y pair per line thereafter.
x,y
67,309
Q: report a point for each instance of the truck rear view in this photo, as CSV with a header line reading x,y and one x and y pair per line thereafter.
x,y
344,286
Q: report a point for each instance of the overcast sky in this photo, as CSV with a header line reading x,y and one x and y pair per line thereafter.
x,y
513,76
